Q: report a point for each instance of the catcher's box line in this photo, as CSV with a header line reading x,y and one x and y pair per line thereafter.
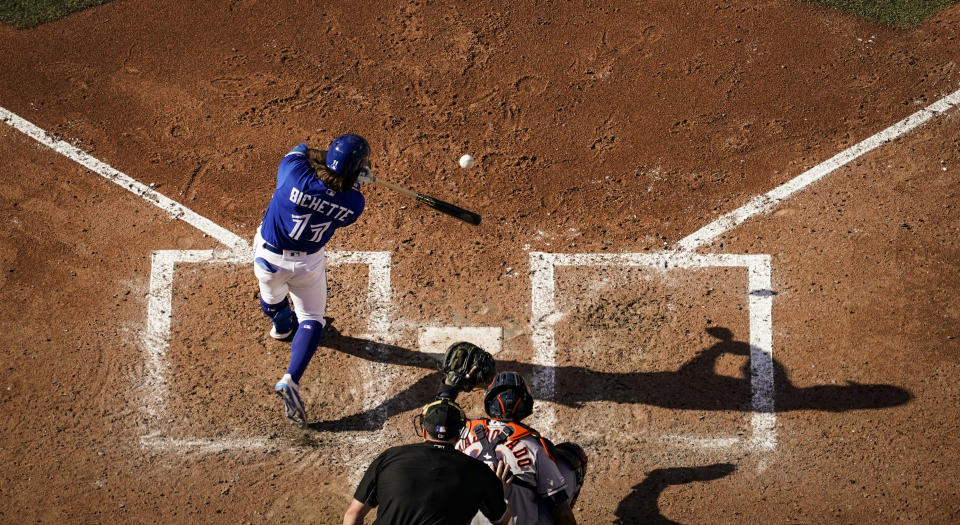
x,y
545,315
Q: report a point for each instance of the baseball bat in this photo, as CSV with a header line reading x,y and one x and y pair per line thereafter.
x,y
437,204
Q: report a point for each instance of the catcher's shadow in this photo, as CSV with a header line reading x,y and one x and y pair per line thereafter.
x,y
693,386
642,505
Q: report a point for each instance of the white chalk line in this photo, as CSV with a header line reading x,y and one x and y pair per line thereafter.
x,y
174,209
156,338
379,300
379,296
544,312
156,342
201,446
159,303
761,352
545,315
725,443
763,203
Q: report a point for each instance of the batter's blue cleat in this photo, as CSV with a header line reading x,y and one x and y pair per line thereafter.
x,y
292,404
284,324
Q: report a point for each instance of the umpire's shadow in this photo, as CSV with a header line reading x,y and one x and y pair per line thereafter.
x,y
642,505
693,386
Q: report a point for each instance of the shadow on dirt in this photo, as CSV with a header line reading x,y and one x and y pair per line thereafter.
x,y
693,386
642,504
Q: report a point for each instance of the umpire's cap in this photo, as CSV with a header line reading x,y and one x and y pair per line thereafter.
x,y
443,419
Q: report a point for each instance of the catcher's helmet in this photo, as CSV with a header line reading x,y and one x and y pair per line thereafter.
x,y
508,397
347,154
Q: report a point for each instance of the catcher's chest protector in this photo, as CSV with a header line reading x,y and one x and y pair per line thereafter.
x,y
488,447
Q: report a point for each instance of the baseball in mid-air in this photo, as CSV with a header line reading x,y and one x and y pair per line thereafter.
x,y
467,161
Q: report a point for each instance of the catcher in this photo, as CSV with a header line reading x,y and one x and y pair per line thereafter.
x,y
546,478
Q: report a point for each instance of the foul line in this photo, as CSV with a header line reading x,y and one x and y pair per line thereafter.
x,y
156,336
173,208
763,203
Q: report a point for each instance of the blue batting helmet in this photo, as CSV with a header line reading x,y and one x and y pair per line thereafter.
x,y
347,154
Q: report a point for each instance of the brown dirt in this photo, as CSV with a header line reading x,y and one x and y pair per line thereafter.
x,y
596,129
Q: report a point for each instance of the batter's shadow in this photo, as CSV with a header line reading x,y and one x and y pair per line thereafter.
x,y
412,397
642,505
693,386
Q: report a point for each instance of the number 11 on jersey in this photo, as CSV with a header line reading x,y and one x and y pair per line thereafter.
x,y
300,223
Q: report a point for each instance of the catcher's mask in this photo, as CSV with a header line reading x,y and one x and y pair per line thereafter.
x,y
508,397
442,419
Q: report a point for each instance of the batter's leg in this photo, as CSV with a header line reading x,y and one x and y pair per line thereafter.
x,y
304,345
284,319
272,280
309,293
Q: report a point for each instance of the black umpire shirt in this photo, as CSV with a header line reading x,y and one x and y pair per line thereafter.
x,y
430,483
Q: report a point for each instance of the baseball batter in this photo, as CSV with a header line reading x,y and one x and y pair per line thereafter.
x,y
317,193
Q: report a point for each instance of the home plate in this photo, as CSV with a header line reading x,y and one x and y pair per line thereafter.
x,y
438,338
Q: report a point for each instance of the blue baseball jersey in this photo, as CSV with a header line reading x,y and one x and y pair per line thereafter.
x,y
304,213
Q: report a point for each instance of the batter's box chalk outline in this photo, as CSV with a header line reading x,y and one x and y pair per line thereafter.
x,y
760,300
156,341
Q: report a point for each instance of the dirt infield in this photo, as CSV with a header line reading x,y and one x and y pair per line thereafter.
x,y
602,133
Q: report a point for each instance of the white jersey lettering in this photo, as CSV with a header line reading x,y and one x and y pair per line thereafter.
x,y
321,206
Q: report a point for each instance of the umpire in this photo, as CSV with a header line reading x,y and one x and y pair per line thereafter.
x,y
429,483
